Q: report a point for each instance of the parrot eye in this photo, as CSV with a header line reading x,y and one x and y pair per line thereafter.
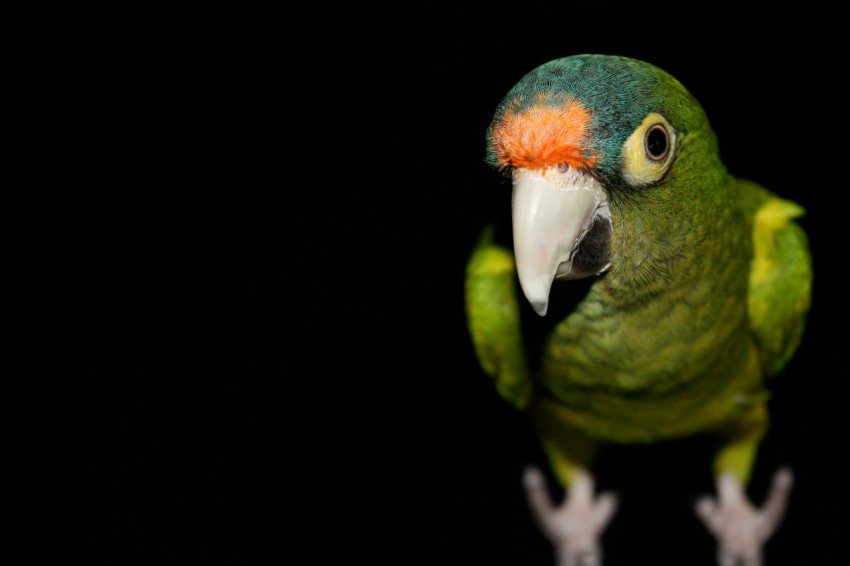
x,y
648,153
655,143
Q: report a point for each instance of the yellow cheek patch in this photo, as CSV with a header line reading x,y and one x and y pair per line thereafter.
x,y
638,168
543,135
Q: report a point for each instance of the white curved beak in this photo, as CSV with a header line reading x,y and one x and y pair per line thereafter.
x,y
553,210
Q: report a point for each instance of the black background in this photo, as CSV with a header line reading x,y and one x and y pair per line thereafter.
x,y
255,276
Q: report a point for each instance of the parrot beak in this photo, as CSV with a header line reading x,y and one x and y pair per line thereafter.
x,y
554,211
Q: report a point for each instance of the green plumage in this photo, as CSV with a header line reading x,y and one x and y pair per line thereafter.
x,y
706,294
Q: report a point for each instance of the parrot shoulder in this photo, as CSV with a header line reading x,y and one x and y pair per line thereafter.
x,y
780,277
493,317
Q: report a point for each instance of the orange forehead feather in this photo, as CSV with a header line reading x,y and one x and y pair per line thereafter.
x,y
543,135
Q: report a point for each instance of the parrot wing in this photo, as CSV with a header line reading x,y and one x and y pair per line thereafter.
x,y
493,316
780,276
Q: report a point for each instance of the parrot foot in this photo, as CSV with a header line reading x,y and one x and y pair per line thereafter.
x,y
740,528
575,526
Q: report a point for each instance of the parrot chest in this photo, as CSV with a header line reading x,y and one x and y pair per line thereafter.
x,y
662,369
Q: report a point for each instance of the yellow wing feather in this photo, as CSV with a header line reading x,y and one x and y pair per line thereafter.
x,y
780,277
494,319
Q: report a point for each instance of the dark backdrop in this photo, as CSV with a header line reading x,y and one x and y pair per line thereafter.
x,y
256,270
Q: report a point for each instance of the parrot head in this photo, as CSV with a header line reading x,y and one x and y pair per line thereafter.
x,y
603,152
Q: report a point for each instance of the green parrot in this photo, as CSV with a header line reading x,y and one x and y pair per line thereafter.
x,y
660,292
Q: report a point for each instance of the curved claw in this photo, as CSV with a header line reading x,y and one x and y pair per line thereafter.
x,y
574,526
740,528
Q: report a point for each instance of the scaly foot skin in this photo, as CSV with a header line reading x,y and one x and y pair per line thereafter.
x,y
576,525
740,528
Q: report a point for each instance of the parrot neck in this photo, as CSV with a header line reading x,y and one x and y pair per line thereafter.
x,y
660,246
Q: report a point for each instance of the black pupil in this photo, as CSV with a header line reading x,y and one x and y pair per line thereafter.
x,y
656,143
